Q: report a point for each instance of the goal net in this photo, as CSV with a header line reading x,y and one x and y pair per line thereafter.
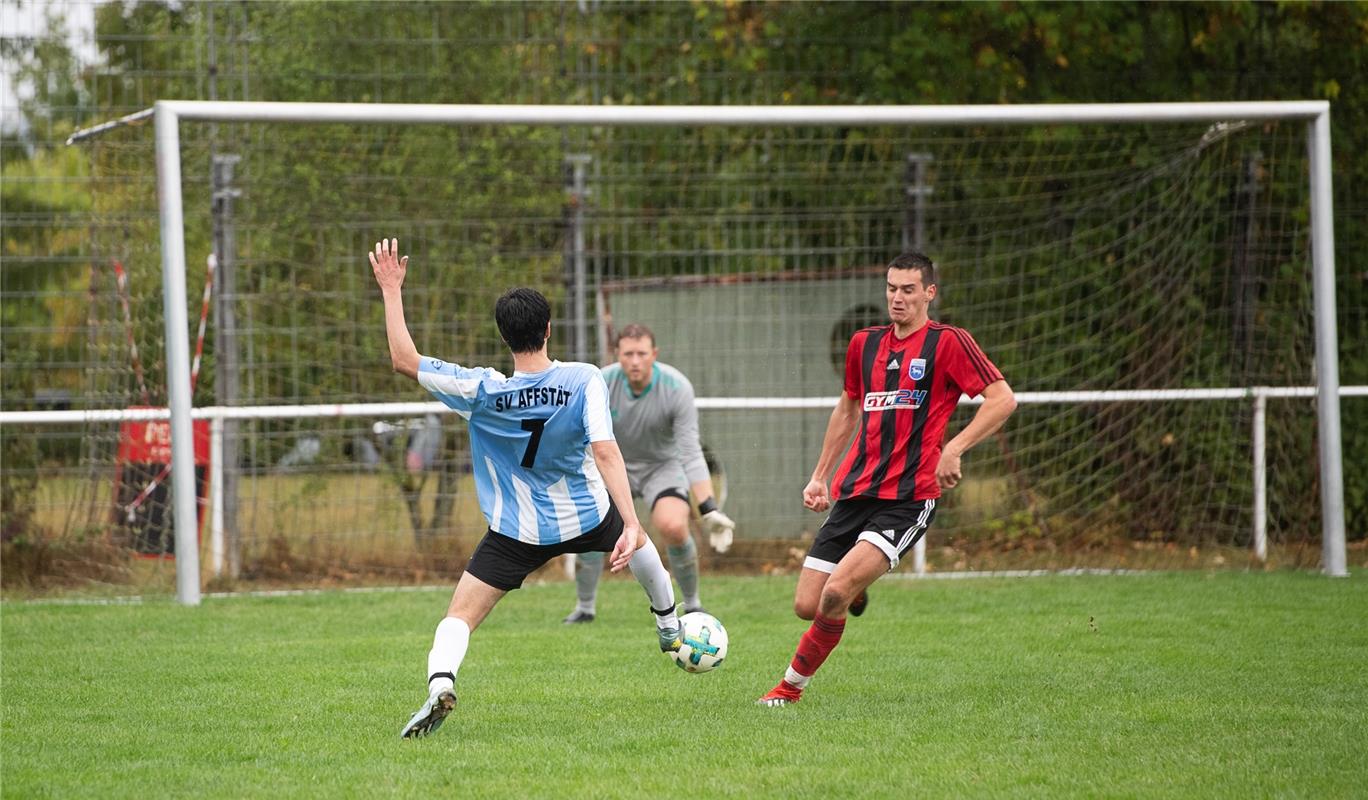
x,y
1156,259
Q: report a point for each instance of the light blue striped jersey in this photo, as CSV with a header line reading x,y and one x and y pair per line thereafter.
x,y
529,444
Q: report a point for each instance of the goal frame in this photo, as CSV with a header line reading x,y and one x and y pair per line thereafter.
x,y
168,114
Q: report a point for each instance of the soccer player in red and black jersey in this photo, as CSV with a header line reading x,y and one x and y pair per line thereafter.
x,y
902,382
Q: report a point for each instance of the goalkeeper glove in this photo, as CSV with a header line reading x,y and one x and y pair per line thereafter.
x,y
719,528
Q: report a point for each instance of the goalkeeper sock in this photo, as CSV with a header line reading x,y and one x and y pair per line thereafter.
x,y
684,567
588,570
448,651
650,573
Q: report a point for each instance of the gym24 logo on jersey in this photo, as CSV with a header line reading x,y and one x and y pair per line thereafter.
x,y
911,399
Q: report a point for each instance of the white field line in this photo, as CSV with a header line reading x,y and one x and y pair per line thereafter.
x,y
133,600
1019,573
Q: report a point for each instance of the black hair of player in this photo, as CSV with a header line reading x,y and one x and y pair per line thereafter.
x,y
921,262
522,315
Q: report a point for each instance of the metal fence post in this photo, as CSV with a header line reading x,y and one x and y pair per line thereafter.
x,y
1260,476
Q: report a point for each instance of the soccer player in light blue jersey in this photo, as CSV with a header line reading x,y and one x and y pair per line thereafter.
x,y
549,475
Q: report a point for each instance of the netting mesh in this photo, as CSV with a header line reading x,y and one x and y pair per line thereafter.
x,y
1109,257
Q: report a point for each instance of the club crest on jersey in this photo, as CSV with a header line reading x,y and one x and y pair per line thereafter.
x,y
916,369
910,399
436,363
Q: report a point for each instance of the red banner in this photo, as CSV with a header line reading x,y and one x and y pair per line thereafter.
x,y
149,442
141,491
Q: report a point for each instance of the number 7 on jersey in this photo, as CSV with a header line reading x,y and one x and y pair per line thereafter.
x,y
535,426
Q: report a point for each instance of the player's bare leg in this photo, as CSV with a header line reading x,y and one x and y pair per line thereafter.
x,y
857,570
471,602
864,564
809,592
670,517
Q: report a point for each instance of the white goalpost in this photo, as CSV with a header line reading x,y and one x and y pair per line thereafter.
x,y
1315,240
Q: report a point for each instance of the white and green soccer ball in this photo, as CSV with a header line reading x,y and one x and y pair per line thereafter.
x,y
704,643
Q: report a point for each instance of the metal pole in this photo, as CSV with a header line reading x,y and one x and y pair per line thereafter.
x,y
226,370
177,354
579,273
216,496
1001,114
1333,556
919,556
916,191
1260,477
1246,265
575,277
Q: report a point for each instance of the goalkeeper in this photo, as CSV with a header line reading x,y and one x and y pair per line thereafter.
x,y
656,426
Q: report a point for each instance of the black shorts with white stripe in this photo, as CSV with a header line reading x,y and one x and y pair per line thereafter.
x,y
504,562
893,526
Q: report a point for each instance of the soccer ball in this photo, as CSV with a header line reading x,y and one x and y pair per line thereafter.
x,y
705,643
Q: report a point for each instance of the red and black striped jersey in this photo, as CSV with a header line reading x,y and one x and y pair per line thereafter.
x,y
908,388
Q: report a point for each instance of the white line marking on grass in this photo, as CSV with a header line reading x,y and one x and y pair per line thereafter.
x,y
133,600
1017,573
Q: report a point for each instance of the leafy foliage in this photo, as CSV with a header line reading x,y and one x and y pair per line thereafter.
x,y
703,52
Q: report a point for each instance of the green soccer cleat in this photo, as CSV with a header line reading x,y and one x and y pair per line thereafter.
x,y
430,717
671,639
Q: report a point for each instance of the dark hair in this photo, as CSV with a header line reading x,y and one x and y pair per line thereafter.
x,y
522,315
921,262
635,330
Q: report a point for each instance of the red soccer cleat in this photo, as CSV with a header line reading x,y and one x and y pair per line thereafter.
x,y
857,607
782,695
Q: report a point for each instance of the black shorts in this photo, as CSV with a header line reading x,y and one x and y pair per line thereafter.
x,y
504,562
893,526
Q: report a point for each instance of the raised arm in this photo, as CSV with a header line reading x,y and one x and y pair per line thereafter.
x,y
389,271
844,418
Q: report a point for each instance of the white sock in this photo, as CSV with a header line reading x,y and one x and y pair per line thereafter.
x,y
795,680
448,651
651,574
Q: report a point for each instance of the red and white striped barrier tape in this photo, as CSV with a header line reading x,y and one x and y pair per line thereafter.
x,y
152,485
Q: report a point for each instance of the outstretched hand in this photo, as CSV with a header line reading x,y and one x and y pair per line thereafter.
x,y
389,268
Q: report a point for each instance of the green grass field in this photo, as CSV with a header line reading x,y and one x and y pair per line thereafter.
x,y
1231,685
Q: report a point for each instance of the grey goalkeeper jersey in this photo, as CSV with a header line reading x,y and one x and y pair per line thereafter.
x,y
661,424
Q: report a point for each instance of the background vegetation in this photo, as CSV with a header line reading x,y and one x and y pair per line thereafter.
x,y
66,207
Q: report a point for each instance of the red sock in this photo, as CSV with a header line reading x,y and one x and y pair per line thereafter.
x,y
816,644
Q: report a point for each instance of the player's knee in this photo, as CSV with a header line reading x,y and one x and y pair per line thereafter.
x,y
805,609
836,597
674,533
